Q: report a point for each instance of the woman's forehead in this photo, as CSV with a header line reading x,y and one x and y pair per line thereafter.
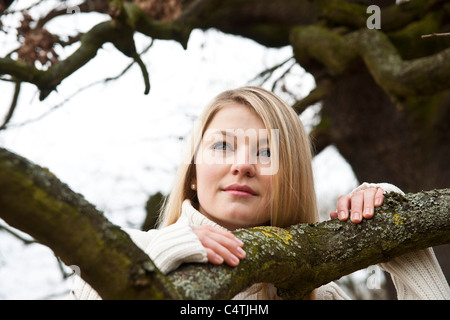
x,y
236,116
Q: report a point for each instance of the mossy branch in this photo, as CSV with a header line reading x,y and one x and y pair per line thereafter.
x,y
354,15
303,257
398,77
296,259
48,80
269,23
33,200
119,32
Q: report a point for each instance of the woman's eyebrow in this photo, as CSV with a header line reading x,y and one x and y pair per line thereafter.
x,y
227,132
231,133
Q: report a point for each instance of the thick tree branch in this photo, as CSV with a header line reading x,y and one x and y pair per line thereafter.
x,y
398,77
117,31
268,22
403,78
121,35
354,15
48,80
33,200
296,259
300,258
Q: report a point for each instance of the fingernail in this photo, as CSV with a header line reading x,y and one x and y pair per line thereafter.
x,y
239,241
367,211
234,259
377,201
219,259
341,215
241,252
356,216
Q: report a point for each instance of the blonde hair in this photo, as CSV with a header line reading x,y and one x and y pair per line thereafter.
x,y
293,197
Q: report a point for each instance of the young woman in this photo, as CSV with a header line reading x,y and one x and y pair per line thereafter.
x,y
249,164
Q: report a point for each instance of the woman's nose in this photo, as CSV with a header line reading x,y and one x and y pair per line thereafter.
x,y
243,163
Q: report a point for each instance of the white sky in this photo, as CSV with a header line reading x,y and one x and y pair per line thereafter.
x,y
117,146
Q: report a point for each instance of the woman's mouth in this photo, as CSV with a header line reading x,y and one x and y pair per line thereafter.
x,y
240,191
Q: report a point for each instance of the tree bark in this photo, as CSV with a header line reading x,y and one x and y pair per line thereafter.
x,y
296,259
33,200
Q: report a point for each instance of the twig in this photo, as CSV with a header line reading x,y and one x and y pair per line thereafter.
x,y
18,236
13,106
283,75
445,34
62,103
267,73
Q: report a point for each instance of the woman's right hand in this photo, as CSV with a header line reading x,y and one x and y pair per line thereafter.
x,y
221,245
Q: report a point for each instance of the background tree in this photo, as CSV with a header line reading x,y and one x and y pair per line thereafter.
x,y
384,93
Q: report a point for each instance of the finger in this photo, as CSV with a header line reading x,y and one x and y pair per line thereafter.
x,y
219,253
222,246
333,215
205,231
369,198
342,207
227,234
357,201
379,197
229,244
213,257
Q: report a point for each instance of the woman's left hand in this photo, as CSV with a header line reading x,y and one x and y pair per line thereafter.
x,y
360,204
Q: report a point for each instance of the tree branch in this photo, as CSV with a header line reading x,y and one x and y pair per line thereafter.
x,y
303,257
270,24
296,259
354,15
117,31
48,80
12,107
398,77
33,200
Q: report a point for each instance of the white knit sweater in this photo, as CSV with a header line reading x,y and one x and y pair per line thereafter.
x,y
416,275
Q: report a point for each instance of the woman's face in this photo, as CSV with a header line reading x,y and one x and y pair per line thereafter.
x,y
233,186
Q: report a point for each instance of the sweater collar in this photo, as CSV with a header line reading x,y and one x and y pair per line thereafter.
x,y
194,217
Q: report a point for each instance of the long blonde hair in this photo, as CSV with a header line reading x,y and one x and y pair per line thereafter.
x,y
293,198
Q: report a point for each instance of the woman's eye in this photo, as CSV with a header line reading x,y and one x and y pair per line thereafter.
x,y
264,153
221,146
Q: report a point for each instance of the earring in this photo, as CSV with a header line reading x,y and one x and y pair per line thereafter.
x,y
193,186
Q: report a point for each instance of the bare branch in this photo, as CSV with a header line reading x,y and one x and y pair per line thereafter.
x,y
17,235
35,201
12,108
445,34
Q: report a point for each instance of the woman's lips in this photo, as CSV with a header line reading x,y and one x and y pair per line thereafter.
x,y
240,191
